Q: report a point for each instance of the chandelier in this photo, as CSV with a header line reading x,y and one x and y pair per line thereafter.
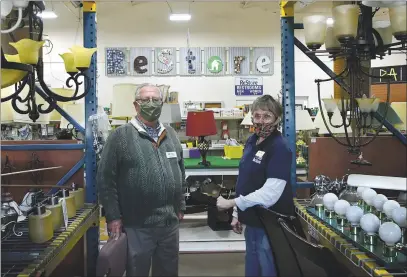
x,y
26,68
355,40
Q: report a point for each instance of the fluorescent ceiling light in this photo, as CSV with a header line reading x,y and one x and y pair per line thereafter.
x,y
329,21
180,17
47,14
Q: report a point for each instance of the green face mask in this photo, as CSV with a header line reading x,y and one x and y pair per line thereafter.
x,y
150,111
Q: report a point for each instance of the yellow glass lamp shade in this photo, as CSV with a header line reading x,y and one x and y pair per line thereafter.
x,y
384,30
365,104
398,21
314,31
69,62
375,104
28,50
11,76
344,107
82,56
331,42
346,18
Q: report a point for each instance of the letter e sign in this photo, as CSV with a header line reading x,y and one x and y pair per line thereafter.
x,y
140,63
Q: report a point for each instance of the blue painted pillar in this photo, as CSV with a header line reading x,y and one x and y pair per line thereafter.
x,y
89,40
288,79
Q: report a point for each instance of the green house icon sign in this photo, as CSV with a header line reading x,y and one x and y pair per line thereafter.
x,y
215,64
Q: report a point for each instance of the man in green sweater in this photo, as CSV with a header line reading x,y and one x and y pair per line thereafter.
x,y
141,183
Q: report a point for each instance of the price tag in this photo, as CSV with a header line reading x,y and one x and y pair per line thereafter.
x,y
313,233
64,212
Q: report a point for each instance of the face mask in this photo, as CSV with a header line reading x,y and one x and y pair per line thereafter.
x,y
263,130
150,111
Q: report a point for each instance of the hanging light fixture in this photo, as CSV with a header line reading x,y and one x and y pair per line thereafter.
x,y
355,39
26,68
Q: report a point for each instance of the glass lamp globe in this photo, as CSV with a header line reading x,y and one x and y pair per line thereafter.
x,y
390,233
314,31
360,191
389,206
354,214
368,196
398,21
399,216
346,18
378,202
331,42
340,208
370,223
329,203
384,30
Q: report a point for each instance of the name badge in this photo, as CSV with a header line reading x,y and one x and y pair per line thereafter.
x,y
258,157
171,155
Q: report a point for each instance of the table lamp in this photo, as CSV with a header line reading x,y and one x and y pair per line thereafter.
x,y
170,113
201,124
303,121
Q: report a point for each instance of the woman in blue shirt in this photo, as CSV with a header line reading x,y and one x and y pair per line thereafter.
x,y
264,180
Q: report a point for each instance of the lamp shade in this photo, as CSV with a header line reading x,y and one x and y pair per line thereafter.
x,y
55,115
303,121
398,21
122,100
346,18
76,111
170,113
401,110
201,124
384,30
314,31
247,120
331,42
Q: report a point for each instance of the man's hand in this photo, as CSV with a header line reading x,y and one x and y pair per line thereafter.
x,y
115,228
236,226
224,204
180,216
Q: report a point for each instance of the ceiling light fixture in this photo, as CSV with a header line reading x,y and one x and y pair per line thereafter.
x,y
47,15
180,17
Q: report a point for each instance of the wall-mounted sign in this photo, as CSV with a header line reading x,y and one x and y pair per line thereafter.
x,y
165,61
248,86
140,61
396,74
193,61
116,61
190,61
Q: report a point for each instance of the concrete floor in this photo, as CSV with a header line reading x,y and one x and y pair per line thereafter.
x,y
225,264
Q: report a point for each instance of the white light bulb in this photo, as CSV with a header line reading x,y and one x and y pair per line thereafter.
x,y
341,206
370,223
390,233
399,216
359,191
378,201
353,214
368,195
389,206
329,201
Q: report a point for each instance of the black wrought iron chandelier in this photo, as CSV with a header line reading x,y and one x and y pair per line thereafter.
x,y
26,68
354,39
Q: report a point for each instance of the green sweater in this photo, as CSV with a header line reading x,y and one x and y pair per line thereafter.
x,y
140,181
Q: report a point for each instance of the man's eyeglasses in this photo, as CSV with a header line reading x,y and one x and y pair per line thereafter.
x,y
146,100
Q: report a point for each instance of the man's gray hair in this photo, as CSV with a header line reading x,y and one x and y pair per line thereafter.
x,y
138,89
268,103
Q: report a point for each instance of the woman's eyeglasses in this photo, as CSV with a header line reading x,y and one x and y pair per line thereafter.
x,y
266,117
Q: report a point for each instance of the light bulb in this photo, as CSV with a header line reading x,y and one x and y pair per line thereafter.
x,y
329,201
370,223
390,233
353,214
389,206
368,195
359,191
341,206
378,202
399,216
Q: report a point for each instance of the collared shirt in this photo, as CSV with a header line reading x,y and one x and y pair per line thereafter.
x,y
153,132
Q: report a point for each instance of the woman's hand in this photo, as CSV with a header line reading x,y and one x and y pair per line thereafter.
x,y
236,226
224,204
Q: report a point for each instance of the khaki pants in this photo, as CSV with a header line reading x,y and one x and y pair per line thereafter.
x,y
156,248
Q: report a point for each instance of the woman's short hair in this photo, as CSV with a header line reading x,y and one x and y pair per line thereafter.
x,y
268,103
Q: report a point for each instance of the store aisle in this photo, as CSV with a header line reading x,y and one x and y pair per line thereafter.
x,y
225,264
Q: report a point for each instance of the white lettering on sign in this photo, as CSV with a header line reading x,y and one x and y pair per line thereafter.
x,y
248,86
261,64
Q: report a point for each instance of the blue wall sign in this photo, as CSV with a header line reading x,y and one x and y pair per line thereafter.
x,y
248,86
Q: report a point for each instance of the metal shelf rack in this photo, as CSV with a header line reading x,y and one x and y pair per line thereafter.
x,y
89,157
288,41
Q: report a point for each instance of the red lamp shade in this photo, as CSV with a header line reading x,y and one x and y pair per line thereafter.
x,y
201,124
